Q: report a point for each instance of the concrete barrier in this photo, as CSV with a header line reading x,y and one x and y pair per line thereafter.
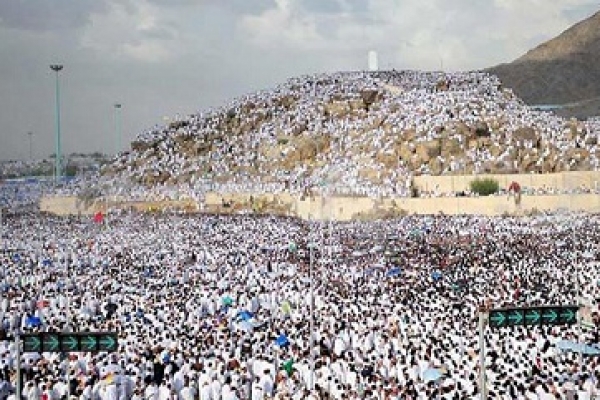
x,y
71,205
348,208
64,205
343,208
562,180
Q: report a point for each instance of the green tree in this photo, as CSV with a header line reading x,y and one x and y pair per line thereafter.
x,y
484,186
71,170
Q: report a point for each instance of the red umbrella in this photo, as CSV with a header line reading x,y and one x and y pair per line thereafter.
x,y
99,217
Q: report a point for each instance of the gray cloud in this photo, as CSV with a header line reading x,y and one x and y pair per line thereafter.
x,y
43,15
246,7
163,57
321,6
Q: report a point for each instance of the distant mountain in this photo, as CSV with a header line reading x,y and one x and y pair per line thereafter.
x,y
564,71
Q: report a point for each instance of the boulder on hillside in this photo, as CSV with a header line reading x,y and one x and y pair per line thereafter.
x,y
178,124
578,154
370,97
525,134
337,109
287,101
482,129
409,135
428,150
140,146
464,130
435,166
356,104
390,161
442,85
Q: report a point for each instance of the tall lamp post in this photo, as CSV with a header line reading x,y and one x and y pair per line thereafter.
x,y
57,160
311,308
30,135
118,127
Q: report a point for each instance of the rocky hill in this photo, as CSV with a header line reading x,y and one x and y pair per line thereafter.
x,y
563,71
362,129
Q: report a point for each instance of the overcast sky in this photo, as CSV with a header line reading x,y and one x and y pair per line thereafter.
x,y
160,58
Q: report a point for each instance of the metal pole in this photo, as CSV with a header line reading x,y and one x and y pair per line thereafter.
x,y
68,380
118,128
57,161
311,312
579,326
330,203
482,377
4,248
18,345
67,299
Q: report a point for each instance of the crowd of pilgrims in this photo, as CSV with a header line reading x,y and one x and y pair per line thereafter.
x,y
409,100
261,307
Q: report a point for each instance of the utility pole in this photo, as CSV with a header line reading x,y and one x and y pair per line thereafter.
x,y
18,346
58,156
483,318
311,313
118,128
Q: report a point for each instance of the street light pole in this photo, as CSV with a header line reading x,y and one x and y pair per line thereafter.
x,y
57,160
483,316
311,312
118,127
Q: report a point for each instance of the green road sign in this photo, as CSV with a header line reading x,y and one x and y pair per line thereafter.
x,y
31,343
516,317
88,343
497,318
549,316
69,342
52,342
108,342
568,314
531,316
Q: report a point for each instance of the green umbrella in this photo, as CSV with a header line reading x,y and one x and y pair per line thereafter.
x,y
288,366
227,301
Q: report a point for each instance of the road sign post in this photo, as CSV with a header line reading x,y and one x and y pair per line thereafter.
x,y
19,377
69,342
483,320
521,316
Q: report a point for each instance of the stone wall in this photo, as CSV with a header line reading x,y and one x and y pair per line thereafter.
x,y
568,180
71,205
348,208
64,205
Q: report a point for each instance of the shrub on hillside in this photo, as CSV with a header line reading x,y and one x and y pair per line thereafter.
x,y
484,186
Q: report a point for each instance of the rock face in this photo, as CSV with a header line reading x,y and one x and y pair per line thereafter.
x,y
378,126
562,71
